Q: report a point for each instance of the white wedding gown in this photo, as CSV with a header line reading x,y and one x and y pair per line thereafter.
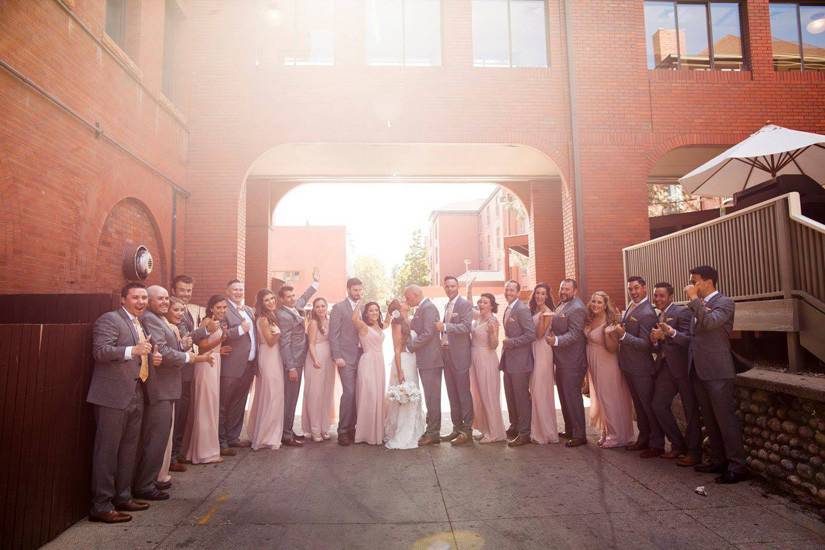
x,y
405,423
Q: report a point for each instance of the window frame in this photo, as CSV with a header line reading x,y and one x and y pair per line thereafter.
x,y
743,38
403,62
798,5
293,60
510,41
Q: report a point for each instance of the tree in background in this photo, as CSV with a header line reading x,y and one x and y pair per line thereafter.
x,y
415,270
376,283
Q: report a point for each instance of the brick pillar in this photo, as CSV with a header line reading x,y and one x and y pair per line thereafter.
x,y
258,220
546,235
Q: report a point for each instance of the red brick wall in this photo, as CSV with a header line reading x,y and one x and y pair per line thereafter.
x,y
458,240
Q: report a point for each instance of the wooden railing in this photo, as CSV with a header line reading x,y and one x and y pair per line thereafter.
x,y
808,243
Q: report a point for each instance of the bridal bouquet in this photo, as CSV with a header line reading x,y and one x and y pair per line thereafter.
x,y
404,393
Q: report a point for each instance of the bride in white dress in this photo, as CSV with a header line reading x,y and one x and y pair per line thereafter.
x,y
405,422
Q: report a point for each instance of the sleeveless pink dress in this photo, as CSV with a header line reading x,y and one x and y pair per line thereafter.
x,y
318,388
485,386
266,417
542,392
200,440
611,406
370,389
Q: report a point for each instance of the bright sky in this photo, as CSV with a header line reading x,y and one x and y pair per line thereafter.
x,y
380,218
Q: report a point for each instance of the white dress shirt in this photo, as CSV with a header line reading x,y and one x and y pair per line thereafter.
x,y
242,312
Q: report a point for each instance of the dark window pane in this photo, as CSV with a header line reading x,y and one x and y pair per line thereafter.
x,y
491,44
385,32
785,37
813,37
527,33
693,36
422,32
115,17
660,28
727,36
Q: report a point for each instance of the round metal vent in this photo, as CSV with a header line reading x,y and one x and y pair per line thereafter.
x,y
137,263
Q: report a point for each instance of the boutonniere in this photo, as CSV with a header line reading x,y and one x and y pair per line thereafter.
x,y
669,319
632,318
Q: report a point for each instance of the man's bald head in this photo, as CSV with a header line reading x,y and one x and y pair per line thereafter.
x,y
413,294
158,299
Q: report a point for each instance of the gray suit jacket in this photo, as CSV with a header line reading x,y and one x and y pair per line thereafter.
x,y
425,344
521,331
635,349
710,352
187,328
114,378
458,330
343,336
294,343
568,326
676,348
164,382
235,363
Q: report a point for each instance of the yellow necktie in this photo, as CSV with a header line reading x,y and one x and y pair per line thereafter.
x,y
144,359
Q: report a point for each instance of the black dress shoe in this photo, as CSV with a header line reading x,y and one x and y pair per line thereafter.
x,y
709,468
576,442
292,443
132,506
519,440
729,477
155,495
565,435
163,485
450,437
299,437
344,440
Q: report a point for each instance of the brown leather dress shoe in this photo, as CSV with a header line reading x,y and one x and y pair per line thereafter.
x,y
519,440
177,467
110,517
687,461
132,506
299,437
453,435
637,446
576,442
163,485
344,440
226,451
428,440
292,443
241,444
672,455
460,439
652,453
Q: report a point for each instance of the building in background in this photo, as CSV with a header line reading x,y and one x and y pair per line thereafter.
x,y
488,236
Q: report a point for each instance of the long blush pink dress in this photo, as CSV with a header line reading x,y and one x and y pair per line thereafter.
x,y
611,406
485,386
266,418
542,392
200,440
318,387
369,390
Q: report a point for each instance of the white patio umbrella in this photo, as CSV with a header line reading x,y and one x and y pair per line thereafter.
x,y
770,152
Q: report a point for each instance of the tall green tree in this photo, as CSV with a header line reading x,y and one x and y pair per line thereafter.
x,y
377,285
415,270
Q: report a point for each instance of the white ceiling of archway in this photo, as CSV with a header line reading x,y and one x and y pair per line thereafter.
x,y
404,161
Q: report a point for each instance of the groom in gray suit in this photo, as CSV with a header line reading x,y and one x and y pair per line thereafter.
x,y
517,364
570,357
294,347
426,345
454,330
122,351
346,350
163,387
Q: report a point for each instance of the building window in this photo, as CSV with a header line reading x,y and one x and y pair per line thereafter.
x,y
694,35
403,32
288,277
172,52
509,33
798,36
313,33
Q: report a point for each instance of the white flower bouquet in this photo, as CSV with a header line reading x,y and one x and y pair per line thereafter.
x,y
404,393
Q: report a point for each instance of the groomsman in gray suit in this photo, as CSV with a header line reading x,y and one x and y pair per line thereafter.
x,y
294,347
182,287
569,344
636,362
454,331
424,342
671,339
122,351
713,374
237,368
517,364
163,387
346,350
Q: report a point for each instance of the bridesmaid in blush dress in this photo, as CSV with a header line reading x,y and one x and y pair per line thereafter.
x,y
319,375
200,440
266,417
485,375
370,383
611,406
542,380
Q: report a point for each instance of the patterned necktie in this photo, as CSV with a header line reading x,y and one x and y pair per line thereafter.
x,y
447,316
507,314
144,359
